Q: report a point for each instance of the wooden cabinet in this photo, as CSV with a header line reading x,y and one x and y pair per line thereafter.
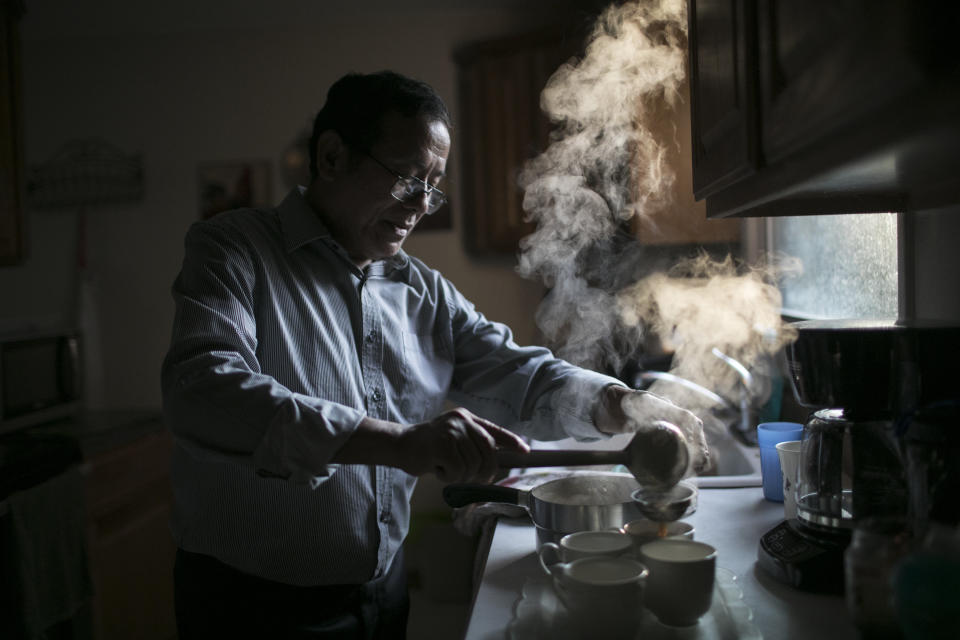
x,y
131,551
723,101
501,128
824,106
679,221
822,71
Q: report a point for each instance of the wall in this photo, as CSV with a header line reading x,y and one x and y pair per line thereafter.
x,y
182,84
933,269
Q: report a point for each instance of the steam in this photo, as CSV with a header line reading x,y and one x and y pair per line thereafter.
x,y
701,307
603,167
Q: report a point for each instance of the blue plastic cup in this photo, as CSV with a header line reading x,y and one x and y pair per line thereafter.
x,y
769,434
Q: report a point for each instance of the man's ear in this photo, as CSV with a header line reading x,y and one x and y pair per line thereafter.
x,y
331,154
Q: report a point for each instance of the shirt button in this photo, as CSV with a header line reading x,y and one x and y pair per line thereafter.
x,y
369,338
376,395
385,517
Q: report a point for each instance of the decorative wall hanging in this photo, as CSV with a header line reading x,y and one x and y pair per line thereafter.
x,y
86,172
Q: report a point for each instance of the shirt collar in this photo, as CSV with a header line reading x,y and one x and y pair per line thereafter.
x,y
300,225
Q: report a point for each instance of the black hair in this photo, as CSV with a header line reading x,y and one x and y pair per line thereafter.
x,y
357,102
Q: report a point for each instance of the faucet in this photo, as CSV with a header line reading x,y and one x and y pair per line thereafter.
x,y
745,431
650,376
744,427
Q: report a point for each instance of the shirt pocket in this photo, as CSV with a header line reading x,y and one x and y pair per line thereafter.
x,y
428,371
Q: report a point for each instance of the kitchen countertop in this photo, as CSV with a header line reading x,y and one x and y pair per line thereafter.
x,y
35,454
730,519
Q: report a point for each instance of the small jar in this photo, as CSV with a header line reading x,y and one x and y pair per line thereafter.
x,y
877,546
926,584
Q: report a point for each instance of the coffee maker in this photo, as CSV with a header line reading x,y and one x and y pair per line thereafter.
x,y
863,381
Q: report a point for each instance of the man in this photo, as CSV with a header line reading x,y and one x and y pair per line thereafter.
x,y
310,361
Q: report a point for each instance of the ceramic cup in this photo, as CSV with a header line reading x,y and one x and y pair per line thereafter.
x,y
582,544
768,435
603,594
789,453
643,531
680,585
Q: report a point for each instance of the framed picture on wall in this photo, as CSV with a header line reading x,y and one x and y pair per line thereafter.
x,y
231,185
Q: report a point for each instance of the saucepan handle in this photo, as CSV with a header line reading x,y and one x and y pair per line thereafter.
x,y
464,493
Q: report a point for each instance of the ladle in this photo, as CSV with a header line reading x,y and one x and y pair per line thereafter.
x,y
666,506
657,456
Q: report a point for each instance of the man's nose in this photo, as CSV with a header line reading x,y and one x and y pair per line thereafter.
x,y
419,202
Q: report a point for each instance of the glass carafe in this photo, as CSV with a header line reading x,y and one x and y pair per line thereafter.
x,y
824,481
848,470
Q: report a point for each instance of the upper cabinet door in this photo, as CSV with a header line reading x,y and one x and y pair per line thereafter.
x,y
827,64
723,87
824,106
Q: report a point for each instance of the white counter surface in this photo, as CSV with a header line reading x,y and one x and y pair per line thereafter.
x,y
732,520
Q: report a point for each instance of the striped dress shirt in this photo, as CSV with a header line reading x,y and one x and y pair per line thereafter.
x,y
281,346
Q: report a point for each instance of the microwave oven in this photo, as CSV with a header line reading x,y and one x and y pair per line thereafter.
x,y
40,379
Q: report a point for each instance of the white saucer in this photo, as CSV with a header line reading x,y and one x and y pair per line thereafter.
x,y
539,615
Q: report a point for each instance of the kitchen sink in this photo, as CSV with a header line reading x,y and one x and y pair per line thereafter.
x,y
735,464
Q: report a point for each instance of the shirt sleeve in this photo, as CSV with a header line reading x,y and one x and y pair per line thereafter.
x,y
217,402
526,389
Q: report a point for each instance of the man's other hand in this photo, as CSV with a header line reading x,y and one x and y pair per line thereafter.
x,y
624,410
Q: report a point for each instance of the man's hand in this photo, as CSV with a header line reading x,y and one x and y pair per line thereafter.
x,y
456,445
623,410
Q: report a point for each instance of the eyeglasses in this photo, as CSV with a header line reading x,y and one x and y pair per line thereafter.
x,y
406,188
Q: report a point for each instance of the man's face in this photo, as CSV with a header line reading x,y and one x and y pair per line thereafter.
x,y
369,222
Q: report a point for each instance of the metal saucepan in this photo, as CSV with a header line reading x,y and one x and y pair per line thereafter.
x,y
585,502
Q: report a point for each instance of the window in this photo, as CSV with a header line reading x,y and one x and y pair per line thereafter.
x,y
849,265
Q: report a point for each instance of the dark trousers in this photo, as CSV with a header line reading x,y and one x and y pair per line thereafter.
x,y
214,600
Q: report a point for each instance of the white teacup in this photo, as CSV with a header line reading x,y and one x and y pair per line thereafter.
x,y
583,544
603,594
680,585
644,531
